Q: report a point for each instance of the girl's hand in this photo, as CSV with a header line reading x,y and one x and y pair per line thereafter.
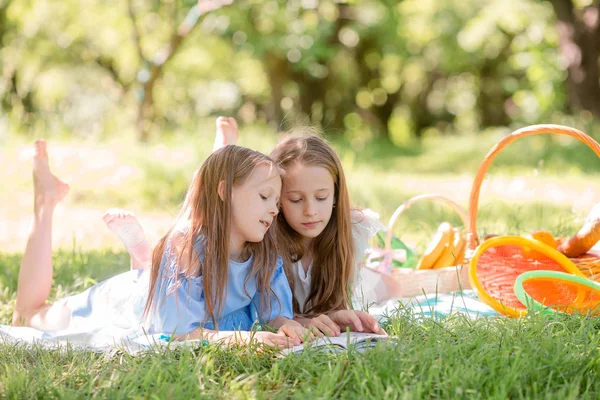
x,y
241,337
270,339
321,325
296,332
357,321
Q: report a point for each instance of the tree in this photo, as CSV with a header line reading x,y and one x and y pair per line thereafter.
x,y
579,33
152,68
112,43
14,94
374,68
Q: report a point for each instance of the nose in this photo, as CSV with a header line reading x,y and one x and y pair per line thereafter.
x,y
274,210
309,209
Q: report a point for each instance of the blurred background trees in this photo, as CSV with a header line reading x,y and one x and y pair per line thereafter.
x,y
372,69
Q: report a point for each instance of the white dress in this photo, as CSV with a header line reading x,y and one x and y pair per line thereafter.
x,y
366,281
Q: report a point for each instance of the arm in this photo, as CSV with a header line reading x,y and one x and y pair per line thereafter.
x,y
358,321
238,337
280,311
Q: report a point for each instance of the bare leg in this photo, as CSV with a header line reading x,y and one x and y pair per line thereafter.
x,y
126,226
227,132
35,275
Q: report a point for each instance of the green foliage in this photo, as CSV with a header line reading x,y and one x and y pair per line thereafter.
x,y
361,70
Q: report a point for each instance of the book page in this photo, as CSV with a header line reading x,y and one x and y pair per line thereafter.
x,y
341,342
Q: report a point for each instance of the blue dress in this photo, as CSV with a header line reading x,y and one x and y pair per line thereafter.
x,y
180,301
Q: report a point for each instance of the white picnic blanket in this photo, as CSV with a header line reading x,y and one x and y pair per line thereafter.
x,y
114,339
434,306
102,341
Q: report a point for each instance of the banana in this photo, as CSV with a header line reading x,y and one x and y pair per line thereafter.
x,y
447,258
460,245
436,247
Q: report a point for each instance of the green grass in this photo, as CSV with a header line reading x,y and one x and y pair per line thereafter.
x,y
552,154
533,357
493,358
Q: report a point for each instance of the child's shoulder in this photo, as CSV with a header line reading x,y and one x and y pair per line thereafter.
x,y
180,233
176,254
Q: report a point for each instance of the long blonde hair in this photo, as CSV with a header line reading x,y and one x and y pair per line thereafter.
x,y
333,249
208,216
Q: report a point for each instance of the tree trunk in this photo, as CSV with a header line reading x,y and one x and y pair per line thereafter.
x,y
491,99
276,68
145,115
12,93
162,57
579,35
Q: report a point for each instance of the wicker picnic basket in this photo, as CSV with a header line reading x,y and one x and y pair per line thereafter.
x,y
495,264
410,282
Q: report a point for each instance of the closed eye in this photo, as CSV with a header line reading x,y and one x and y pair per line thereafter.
x,y
295,201
321,198
263,197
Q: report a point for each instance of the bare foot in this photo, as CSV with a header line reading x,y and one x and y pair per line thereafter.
x,y
126,226
227,132
48,190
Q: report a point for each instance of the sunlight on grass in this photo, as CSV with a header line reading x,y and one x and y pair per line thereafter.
x,y
151,179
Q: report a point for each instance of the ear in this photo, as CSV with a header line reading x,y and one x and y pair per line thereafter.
x,y
221,190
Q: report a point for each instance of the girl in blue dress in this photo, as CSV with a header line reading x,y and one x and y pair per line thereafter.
x,y
213,275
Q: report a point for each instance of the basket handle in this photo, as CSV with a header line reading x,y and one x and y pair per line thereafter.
x,y
406,205
472,240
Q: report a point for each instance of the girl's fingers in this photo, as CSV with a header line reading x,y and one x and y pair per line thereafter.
x,y
304,334
298,334
290,332
293,333
281,341
335,328
279,344
316,332
274,340
323,327
355,321
369,321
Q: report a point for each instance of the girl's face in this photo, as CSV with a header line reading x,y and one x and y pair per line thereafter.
x,y
254,205
307,199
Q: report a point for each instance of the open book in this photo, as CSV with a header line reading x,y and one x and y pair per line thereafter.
x,y
357,340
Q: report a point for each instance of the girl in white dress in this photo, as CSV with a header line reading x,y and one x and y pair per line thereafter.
x,y
321,238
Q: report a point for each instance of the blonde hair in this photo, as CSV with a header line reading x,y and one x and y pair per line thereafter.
x,y
333,249
208,216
